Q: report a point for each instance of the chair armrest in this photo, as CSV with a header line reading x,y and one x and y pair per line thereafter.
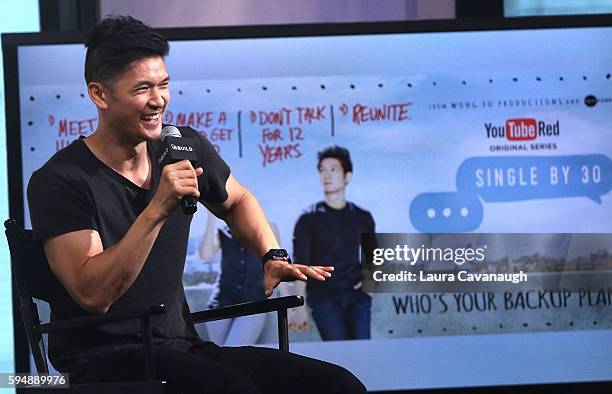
x,y
248,308
95,320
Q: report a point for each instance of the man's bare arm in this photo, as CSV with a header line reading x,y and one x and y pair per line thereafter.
x,y
245,218
249,225
95,277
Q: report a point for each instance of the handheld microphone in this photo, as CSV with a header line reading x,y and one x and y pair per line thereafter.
x,y
174,147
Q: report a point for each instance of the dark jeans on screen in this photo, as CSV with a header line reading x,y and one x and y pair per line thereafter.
x,y
341,314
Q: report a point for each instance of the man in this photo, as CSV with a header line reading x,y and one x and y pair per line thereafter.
x,y
329,233
108,219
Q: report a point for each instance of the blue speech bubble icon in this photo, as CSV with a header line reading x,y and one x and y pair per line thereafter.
x,y
517,178
450,212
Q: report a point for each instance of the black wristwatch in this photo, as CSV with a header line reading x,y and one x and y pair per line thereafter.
x,y
279,254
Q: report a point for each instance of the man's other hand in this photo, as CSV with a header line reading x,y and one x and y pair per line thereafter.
x,y
278,270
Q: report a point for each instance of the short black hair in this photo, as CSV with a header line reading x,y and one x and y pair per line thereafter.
x,y
336,152
118,41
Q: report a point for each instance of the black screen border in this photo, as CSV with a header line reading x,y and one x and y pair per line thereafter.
x,y
11,43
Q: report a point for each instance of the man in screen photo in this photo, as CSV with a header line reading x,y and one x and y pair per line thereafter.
x,y
329,233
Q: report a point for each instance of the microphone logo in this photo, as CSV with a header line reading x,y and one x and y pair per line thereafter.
x,y
183,148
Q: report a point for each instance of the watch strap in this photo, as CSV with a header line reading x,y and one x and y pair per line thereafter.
x,y
278,254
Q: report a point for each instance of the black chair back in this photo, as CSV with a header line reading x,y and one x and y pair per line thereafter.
x,y
33,279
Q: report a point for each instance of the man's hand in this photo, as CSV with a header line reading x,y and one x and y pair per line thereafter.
x,y
177,180
278,270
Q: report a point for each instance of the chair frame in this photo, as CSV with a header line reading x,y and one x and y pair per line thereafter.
x,y
35,329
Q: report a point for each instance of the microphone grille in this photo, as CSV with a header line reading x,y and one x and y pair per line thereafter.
x,y
169,131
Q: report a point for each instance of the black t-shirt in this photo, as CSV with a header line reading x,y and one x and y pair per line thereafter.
x,y
327,236
74,191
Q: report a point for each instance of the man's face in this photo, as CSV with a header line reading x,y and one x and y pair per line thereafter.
x,y
138,99
331,173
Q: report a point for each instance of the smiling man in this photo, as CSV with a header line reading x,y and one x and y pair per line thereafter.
x,y
108,219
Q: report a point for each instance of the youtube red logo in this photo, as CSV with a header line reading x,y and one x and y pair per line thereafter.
x,y
522,129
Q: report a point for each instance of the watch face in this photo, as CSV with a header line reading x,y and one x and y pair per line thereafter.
x,y
276,254
281,253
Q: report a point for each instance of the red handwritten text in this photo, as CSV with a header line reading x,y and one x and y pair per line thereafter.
x,y
270,135
272,154
197,120
310,114
68,127
280,117
386,112
218,134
